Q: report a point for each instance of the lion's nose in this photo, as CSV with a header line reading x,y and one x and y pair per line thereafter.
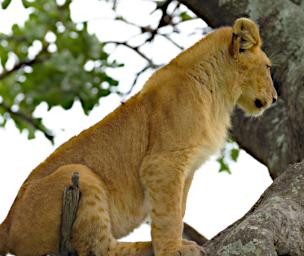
x,y
258,103
274,99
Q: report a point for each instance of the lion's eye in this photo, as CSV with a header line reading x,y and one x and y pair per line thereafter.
x,y
268,66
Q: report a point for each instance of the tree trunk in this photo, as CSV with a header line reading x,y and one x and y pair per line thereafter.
x,y
276,138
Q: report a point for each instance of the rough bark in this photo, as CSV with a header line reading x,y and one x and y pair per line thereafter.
x,y
71,197
275,224
276,138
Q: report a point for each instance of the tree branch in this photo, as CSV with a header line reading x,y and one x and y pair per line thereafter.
x,y
191,234
172,41
134,48
138,74
273,226
165,19
38,59
28,119
71,197
19,65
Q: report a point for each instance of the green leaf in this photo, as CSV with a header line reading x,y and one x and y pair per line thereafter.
x,y
31,134
26,3
16,30
6,3
234,154
67,104
3,56
223,165
185,16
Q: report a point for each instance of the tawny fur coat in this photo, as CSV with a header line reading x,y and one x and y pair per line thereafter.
x,y
139,161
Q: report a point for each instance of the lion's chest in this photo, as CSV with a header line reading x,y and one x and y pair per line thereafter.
x,y
210,143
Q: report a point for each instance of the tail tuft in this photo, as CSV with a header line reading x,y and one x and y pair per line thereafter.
x,y
3,239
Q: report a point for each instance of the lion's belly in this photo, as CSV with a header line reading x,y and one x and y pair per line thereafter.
x,y
127,210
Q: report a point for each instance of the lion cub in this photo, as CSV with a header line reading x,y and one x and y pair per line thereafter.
x,y
139,161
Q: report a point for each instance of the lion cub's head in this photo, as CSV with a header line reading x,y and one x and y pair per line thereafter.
x,y
257,90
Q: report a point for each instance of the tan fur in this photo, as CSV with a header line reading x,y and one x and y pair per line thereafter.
x,y
141,158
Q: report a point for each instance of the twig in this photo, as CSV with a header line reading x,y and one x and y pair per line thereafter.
x,y
121,18
114,5
176,7
71,197
19,65
28,62
164,20
28,119
172,41
134,48
138,74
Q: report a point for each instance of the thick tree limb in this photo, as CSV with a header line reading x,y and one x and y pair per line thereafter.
x,y
276,138
274,226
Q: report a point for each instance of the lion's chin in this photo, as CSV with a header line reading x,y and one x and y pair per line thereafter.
x,y
255,114
252,111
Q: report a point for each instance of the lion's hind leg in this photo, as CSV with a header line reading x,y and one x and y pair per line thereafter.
x,y
35,219
92,234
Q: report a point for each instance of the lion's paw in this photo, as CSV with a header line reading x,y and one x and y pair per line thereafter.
x,y
188,248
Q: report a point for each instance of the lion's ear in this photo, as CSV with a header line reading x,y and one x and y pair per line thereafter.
x,y
246,35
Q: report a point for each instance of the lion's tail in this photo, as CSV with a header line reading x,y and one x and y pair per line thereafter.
x,y
3,238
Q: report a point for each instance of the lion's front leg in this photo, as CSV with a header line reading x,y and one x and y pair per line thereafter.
x,y
187,185
164,178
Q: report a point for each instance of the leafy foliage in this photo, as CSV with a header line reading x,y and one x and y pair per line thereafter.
x,y
6,3
227,155
184,16
54,60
